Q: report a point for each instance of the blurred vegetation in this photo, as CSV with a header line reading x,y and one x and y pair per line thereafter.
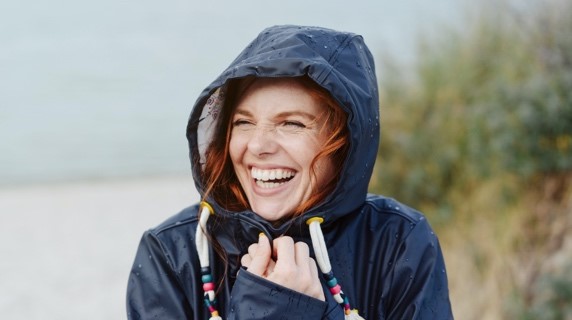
x,y
479,137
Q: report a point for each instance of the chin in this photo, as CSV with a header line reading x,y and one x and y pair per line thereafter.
x,y
272,214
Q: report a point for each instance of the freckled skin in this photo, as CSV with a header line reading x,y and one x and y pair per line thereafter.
x,y
278,124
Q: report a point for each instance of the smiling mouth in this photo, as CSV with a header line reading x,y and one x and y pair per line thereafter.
x,y
271,178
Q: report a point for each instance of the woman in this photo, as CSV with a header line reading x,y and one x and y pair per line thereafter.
x,y
282,146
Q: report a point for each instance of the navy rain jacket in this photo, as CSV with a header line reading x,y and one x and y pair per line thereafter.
x,y
384,254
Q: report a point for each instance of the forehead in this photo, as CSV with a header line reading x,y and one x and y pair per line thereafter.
x,y
268,95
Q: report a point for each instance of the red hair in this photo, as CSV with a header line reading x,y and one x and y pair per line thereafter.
x,y
221,182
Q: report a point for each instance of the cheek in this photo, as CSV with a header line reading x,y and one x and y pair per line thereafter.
x,y
312,148
234,150
304,151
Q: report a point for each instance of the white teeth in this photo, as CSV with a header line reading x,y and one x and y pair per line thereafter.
x,y
268,185
262,175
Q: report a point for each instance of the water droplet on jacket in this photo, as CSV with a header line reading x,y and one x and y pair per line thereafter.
x,y
139,265
177,223
325,47
396,208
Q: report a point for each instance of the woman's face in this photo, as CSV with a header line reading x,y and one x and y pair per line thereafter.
x,y
278,128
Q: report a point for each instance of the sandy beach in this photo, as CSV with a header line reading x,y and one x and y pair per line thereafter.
x,y
67,248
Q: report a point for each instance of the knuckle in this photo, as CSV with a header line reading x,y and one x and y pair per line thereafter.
x,y
285,240
252,247
302,245
313,264
245,260
289,270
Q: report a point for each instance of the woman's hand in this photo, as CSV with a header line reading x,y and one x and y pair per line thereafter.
x,y
289,265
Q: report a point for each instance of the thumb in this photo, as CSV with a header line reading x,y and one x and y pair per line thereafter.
x,y
261,257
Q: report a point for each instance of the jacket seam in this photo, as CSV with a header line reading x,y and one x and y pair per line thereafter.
x,y
161,229
392,211
169,260
333,59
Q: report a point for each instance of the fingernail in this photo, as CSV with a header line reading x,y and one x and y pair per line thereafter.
x,y
261,235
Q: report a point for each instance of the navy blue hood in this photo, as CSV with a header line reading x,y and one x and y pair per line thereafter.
x,y
337,61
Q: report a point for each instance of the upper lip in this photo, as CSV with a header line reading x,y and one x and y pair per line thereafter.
x,y
271,173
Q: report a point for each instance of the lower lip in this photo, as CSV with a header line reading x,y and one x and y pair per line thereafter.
x,y
271,190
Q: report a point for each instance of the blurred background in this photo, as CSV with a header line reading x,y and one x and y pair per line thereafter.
x,y
476,132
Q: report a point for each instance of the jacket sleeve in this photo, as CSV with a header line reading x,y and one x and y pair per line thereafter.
x,y
153,291
253,297
419,287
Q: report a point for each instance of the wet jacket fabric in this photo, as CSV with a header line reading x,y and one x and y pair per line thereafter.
x,y
384,254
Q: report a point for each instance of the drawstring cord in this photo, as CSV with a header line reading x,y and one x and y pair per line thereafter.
x,y
323,261
320,250
202,244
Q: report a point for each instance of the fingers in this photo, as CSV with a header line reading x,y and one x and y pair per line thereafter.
x,y
252,249
302,253
284,251
318,292
260,258
291,266
245,260
295,269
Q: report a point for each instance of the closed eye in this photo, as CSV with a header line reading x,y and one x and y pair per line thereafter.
x,y
241,122
296,124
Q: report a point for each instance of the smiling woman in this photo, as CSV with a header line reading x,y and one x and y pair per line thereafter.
x,y
277,125
282,146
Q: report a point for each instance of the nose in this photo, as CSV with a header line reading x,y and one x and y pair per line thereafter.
x,y
263,142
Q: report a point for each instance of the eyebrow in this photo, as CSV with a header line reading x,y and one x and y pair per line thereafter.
x,y
281,114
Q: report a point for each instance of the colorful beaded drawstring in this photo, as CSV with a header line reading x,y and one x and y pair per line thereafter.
x,y
323,261
203,251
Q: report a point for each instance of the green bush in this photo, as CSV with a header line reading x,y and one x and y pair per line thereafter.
x,y
479,137
492,99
